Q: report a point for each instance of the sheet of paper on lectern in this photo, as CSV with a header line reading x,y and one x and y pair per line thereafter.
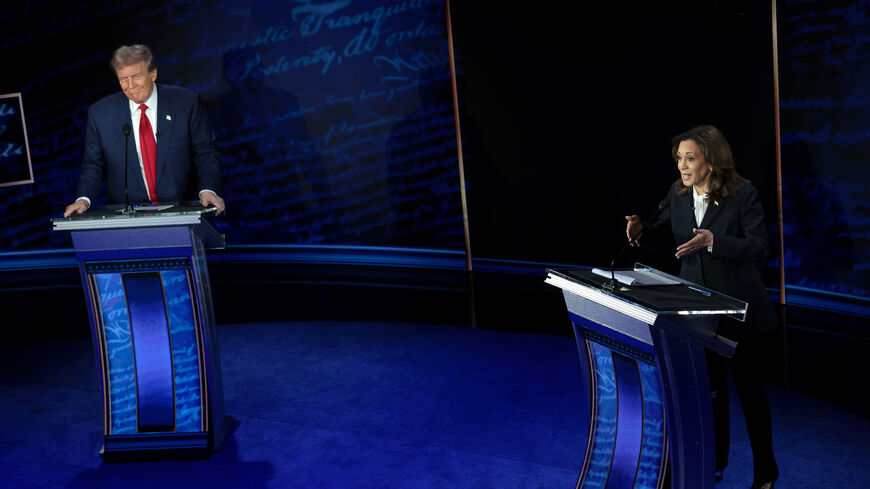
x,y
636,278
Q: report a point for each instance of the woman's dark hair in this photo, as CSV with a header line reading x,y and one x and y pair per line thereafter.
x,y
724,180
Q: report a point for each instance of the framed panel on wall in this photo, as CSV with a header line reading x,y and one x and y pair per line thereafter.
x,y
15,166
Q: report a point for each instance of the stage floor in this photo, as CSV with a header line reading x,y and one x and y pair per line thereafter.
x,y
376,405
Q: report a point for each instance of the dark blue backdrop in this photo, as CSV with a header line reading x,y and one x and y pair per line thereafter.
x,y
335,119
824,70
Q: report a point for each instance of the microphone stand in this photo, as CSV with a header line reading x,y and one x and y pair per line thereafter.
x,y
129,208
613,284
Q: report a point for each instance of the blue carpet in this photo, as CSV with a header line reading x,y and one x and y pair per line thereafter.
x,y
373,405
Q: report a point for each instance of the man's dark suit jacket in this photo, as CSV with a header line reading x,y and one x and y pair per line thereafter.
x,y
187,159
739,246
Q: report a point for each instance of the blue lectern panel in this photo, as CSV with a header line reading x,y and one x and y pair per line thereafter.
x,y
648,393
629,428
185,350
605,409
152,326
627,447
653,455
155,376
151,351
119,352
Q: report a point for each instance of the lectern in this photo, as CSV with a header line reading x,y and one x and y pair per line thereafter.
x,y
644,372
152,323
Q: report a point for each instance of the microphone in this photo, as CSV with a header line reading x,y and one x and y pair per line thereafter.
x,y
612,284
664,204
128,209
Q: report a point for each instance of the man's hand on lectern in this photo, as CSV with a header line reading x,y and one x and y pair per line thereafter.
x,y
208,198
76,207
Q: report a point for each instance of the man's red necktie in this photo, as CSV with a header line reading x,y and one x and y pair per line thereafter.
x,y
149,153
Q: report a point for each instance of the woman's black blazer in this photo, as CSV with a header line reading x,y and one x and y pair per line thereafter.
x,y
739,246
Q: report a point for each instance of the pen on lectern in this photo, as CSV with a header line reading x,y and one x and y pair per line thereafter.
x,y
700,290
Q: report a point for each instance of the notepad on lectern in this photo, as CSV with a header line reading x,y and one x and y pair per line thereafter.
x,y
637,278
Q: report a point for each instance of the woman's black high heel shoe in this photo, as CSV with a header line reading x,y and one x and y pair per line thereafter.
x,y
763,485
768,484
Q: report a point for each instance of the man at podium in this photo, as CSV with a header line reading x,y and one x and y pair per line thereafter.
x,y
150,144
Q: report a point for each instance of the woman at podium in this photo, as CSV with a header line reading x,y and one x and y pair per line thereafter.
x,y
717,221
